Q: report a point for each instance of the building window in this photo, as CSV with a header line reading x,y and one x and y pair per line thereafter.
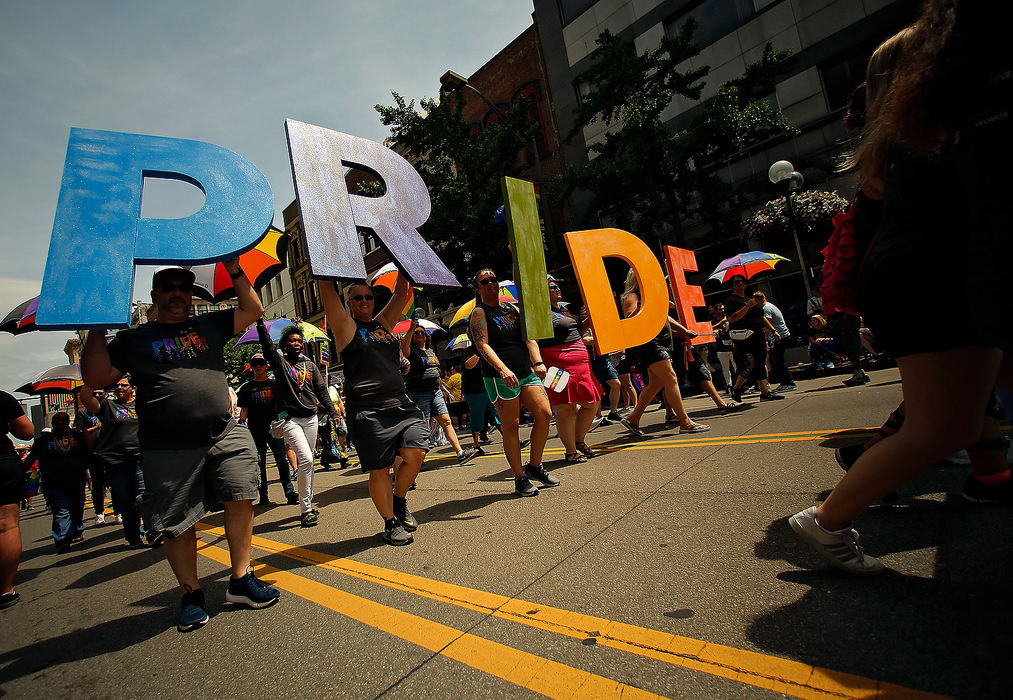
x,y
367,242
714,19
570,10
843,73
314,297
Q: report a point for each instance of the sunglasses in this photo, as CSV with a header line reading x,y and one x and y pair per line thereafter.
x,y
258,363
488,280
553,288
167,287
738,281
419,333
118,387
362,297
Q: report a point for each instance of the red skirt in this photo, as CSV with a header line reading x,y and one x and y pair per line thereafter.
x,y
582,387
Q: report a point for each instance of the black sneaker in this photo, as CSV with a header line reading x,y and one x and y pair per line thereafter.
x,y
309,519
614,417
771,396
977,491
193,610
9,599
524,487
525,443
251,591
538,473
404,516
395,534
292,499
736,396
468,455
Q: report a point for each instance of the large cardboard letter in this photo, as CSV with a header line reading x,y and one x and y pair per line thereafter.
x,y
588,249
529,256
98,233
330,213
680,261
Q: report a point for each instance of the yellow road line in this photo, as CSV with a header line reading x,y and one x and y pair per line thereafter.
x,y
751,668
549,678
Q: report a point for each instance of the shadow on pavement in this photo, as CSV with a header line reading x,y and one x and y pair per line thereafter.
x,y
80,644
940,634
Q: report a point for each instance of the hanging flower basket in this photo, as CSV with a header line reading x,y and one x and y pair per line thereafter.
x,y
815,210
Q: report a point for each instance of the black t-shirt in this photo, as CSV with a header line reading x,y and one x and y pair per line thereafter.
x,y
424,374
503,324
63,459
565,330
753,319
179,372
373,368
258,400
117,439
10,409
471,380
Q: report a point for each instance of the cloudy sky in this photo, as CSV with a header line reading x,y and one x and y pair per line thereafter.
x,y
228,72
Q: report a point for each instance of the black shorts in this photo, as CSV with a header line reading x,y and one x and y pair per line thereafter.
x,y
624,365
696,373
12,480
378,433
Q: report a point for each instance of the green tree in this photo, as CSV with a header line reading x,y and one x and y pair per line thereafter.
x,y
462,172
647,177
236,358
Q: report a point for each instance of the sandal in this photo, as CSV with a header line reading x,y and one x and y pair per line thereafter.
x,y
695,428
585,450
731,407
574,458
632,427
672,420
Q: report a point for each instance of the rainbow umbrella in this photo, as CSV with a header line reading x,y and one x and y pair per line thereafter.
x,y
260,264
63,378
746,264
276,325
430,327
460,342
507,292
386,276
21,319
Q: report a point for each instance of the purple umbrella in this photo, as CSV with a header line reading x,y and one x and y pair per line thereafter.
x,y
274,328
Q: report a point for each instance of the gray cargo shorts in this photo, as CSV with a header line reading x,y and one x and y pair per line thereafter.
x,y
182,486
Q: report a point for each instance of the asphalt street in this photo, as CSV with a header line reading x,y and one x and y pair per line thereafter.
x,y
663,567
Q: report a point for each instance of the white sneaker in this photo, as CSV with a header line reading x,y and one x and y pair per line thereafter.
x,y
100,519
119,519
840,548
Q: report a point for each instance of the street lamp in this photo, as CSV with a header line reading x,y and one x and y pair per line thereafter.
x,y
452,82
784,172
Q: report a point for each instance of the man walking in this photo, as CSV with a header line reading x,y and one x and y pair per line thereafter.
x,y
777,341
194,456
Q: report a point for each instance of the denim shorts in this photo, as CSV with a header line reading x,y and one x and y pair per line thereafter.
x,y
431,403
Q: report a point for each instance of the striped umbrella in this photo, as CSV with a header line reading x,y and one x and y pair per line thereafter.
x,y
746,265
260,264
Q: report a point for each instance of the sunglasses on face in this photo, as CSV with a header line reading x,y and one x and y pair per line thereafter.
x,y
553,288
419,333
362,297
258,363
488,280
738,281
121,387
167,287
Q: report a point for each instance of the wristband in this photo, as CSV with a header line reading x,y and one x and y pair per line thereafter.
x,y
236,276
538,363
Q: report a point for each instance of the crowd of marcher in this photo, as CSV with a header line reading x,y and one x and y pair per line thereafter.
x,y
177,449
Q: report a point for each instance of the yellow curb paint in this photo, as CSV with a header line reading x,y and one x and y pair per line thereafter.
x,y
549,678
750,668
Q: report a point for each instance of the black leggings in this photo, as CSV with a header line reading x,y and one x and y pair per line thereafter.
x,y
751,357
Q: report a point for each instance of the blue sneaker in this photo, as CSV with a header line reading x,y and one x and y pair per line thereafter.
x,y
193,612
251,591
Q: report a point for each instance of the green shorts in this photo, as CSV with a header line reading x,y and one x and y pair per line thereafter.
x,y
496,388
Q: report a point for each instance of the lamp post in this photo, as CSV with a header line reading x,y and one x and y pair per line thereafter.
x,y
784,172
452,82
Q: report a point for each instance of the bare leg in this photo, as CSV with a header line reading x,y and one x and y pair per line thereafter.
x,y
380,492
566,426
510,416
536,401
181,551
448,430
239,533
614,391
944,394
411,463
10,546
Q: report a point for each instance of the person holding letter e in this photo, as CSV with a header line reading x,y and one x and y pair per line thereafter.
x,y
383,422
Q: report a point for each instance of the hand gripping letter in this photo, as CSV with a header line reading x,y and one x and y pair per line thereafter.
x,y
680,261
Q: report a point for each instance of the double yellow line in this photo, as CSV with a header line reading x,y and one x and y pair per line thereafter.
x,y
535,673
